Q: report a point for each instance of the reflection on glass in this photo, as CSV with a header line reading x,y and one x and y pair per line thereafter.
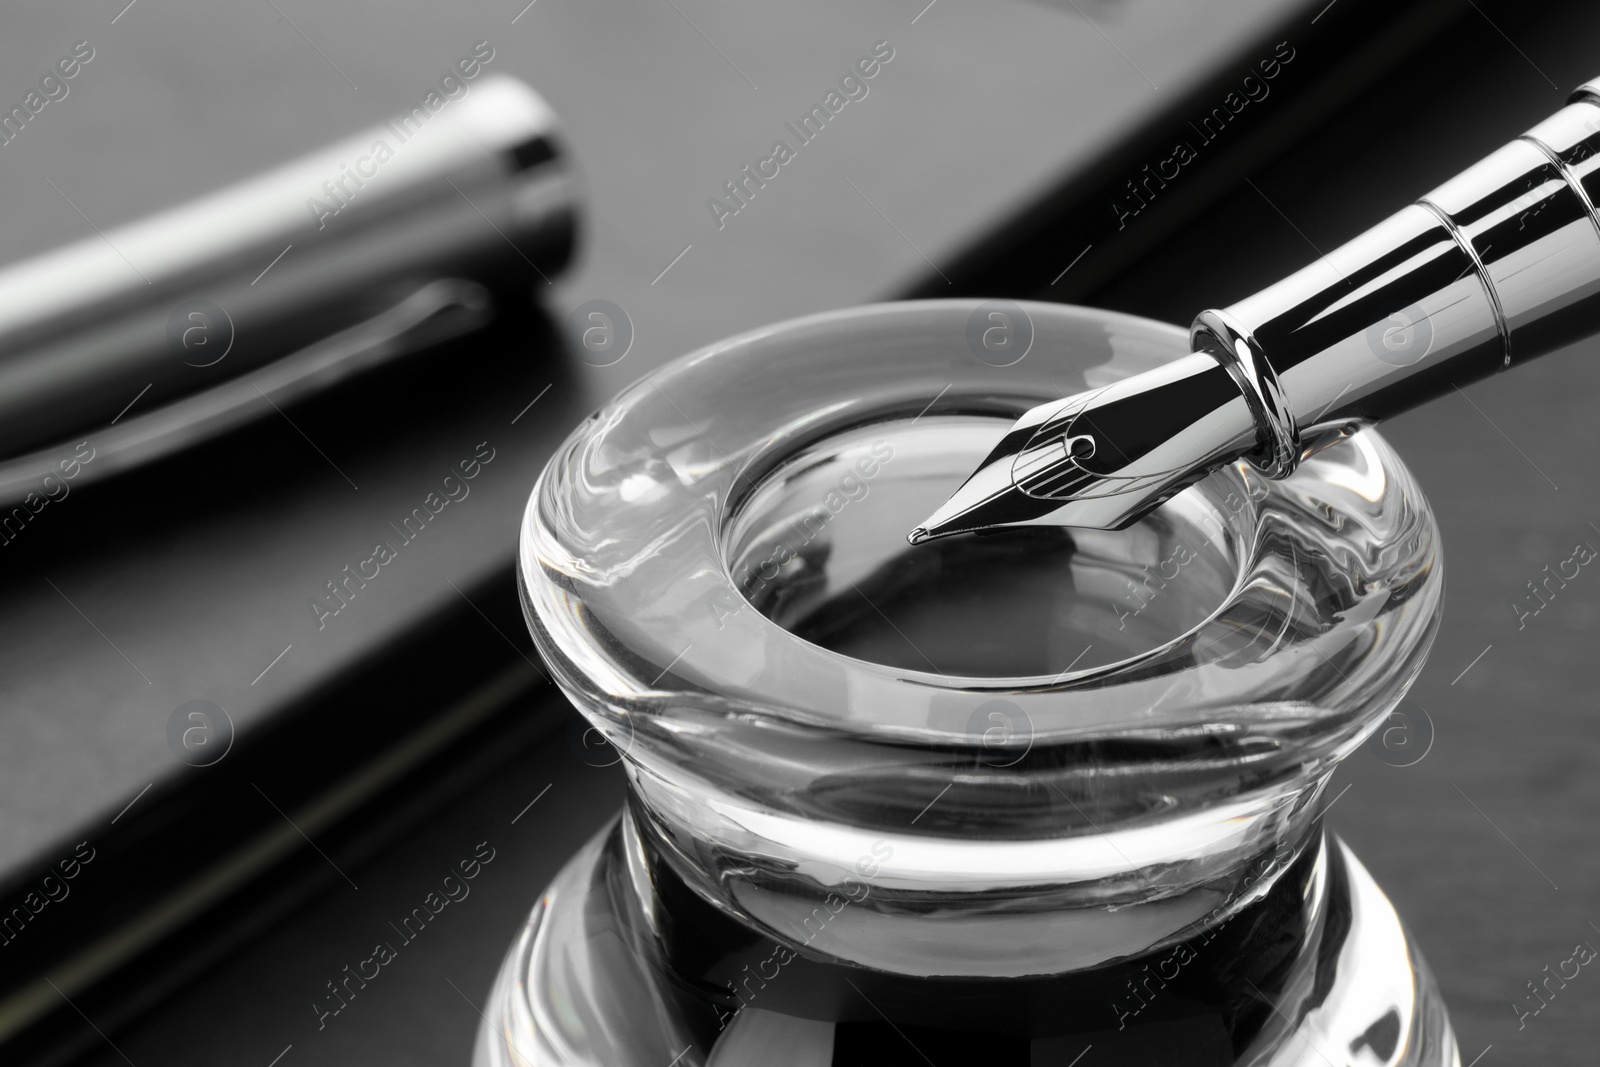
x,y
997,799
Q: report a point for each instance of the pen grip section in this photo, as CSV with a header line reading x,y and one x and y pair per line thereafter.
x,y
1497,266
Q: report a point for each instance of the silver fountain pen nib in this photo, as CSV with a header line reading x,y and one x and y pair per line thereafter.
x,y
1106,457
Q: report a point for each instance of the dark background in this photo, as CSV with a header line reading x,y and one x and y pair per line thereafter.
x,y
198,570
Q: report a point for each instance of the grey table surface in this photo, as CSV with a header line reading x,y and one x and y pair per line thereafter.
x,y
181,99
1485,841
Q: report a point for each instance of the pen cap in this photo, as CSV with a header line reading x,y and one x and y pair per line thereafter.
x,y
475,186
1496,266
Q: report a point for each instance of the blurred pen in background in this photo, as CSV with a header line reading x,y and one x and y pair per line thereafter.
x,y
150,337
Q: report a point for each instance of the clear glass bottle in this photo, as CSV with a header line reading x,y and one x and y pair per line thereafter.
x,y
1019,798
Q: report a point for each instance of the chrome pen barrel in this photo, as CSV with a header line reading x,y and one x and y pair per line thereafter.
x,y
1496,266
478,189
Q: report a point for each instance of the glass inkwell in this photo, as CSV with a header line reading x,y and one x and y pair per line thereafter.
x,y
1039,796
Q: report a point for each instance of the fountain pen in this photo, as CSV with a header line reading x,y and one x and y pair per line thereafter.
x,y
1495,267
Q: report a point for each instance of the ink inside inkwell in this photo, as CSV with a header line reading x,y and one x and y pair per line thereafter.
x,y
820,548
1002,795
